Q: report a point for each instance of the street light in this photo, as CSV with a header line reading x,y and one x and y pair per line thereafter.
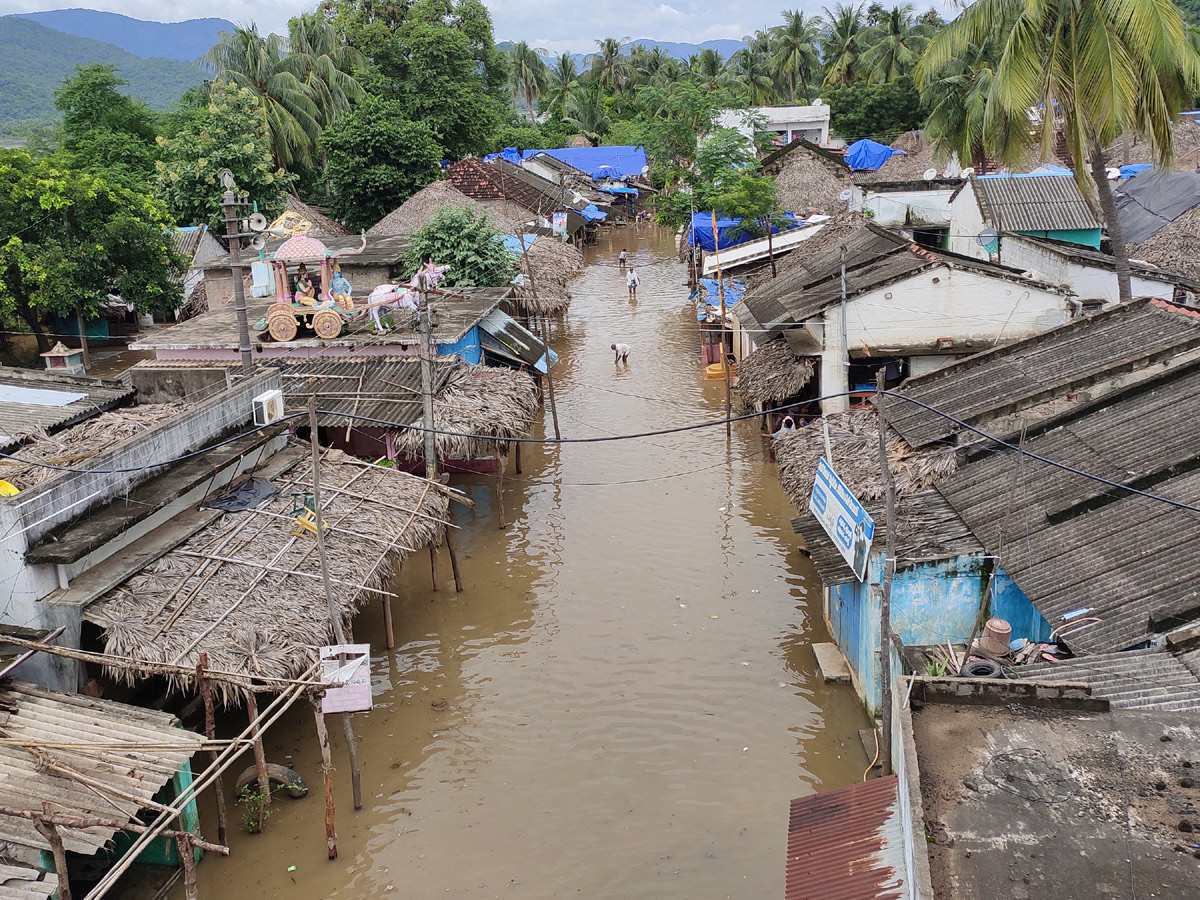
x,y
230,202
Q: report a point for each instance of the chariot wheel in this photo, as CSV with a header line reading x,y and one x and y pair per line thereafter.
x,y
282,328
327,324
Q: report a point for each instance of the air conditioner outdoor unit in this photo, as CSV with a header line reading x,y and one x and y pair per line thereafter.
x,y
268,407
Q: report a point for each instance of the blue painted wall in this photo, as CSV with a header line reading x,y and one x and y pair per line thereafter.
x,y
932,603
1087,237
469,347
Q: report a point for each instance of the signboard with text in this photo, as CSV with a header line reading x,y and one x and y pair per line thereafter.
x,y
843,518
349,667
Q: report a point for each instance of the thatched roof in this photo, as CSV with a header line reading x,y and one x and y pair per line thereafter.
x,y
265,621
1186,134
913,141
319,223
908,166
415,212
773,373
73,445
576,141
554,264
1176,247
806,181
854,439
477,400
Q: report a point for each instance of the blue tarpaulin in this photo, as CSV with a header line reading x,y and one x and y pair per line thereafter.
x,y
619,190
600,162
509,153
700,234
868,155
1131,170
512,242
592,213
710,296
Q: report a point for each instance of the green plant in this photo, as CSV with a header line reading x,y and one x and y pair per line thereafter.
x,y
468,244
936,667
256,812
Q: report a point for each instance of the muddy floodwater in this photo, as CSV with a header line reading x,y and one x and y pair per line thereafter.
x,y
623,700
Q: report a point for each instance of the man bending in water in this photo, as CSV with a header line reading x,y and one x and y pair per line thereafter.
x,y
622,351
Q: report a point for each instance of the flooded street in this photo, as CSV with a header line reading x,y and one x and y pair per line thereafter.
x,y
622,701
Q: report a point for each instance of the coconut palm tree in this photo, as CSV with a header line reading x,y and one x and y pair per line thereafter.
x,y
1102,66
709,68
247,59
585,111
529,75
609,62
328,65
897,43
563,77
752,73
842,43
795,50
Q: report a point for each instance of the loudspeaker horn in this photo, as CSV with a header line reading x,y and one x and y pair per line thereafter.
x,y
259,242
258,222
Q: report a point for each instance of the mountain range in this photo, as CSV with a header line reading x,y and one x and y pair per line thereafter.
x,y
186,41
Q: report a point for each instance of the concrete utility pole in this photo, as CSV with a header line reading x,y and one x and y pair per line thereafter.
x,y
724,361
427,378
885,603
229,201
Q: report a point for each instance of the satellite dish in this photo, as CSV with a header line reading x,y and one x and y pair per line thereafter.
x,y
259,242
645,170
257,222
1112,173
845,195
968,171
930,174
987,238
225,176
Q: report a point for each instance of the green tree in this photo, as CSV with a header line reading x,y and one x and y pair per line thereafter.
x,y
326,65
585,112
897,43
709,68
529,75
74,238
563,80
609,62
227,133
1096,68
842,43
795,44
104,131
377,159
471,247
754,200
881,112
752,73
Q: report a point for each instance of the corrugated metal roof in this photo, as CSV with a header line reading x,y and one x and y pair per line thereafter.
x,y
34,714
21,883
377,387
187,240
1033,203
1071,543
21,418
847,844
1135,679
1052,364
509,333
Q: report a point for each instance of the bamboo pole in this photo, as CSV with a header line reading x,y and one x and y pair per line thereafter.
x,y
251,564
260,763
885,611
69,820
327,774
187,859
454,564
545,341
724,361
210,731
49,831
433,566
389,637
500,488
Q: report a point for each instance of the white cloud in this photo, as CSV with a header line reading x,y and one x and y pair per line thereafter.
x,y
667,11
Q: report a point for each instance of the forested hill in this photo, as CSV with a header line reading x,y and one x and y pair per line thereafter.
x,y
1190,10
184,41
35,59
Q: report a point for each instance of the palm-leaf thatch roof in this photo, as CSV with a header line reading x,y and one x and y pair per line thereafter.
x,y
554,264
416,212
854,440
1186,139
261,610
1175,247
319,222
772,373
807,181
477,400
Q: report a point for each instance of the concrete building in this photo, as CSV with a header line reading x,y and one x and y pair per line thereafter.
x,y
985,209
788,122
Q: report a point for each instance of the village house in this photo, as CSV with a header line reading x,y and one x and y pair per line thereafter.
x,y
786,123
906,307
985,209
1160,217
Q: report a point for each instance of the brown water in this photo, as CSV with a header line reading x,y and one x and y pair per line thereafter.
x,y
630,696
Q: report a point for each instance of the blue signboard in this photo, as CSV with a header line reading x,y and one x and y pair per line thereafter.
x,y
843,518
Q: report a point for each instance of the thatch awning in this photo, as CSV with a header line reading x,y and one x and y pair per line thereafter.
x,y
773,373
854,440
1175,247
318,222
554,264
477,400
249,593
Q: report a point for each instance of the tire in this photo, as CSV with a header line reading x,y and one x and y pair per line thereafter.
x,y
280,776
981,668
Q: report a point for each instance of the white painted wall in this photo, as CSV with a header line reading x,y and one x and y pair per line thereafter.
x,y
811,122
919,365
966,221
891,208
1088,282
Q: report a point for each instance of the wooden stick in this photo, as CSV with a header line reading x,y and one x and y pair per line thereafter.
x,y
260,763
433,567
499,489
49,831
455,495
517,454
187,859
385,505
355,772
454,564
389,639
331,838
210,731
67,820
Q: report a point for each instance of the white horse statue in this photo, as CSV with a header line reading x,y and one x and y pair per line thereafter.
x,y
402,296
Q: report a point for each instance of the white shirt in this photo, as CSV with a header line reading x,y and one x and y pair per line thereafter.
x,y
623,350
632,279
621,256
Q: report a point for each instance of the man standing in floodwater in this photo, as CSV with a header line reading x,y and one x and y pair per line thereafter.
x,y
632,281
622,351
622,257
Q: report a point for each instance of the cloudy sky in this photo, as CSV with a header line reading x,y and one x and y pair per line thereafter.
x,y
553,24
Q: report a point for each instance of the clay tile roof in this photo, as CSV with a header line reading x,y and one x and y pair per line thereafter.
x,y
474,179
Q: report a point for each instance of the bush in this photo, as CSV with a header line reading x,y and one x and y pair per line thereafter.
x,y
468,244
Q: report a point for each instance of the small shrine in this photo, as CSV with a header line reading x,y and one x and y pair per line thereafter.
x,y
64,359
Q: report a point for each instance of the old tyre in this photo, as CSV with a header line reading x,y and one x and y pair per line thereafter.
x,y
282,328
281,777
327,324
981,668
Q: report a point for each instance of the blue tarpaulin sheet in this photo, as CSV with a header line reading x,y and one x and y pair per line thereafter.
x,y
600,162
592,213
868,155
710,296
700,234
1131,170
512,242
619,190
509,153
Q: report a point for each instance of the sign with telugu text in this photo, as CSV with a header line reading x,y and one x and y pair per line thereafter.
x,y
843,518
349,666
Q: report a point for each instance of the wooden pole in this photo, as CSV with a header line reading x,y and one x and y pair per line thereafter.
x,y
49,831
327,772
389,637
423,309
500,488
335,615
210,731
724,361
454,564
885,604
433,567
545,341
517,455
83,342
260,762
187,859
